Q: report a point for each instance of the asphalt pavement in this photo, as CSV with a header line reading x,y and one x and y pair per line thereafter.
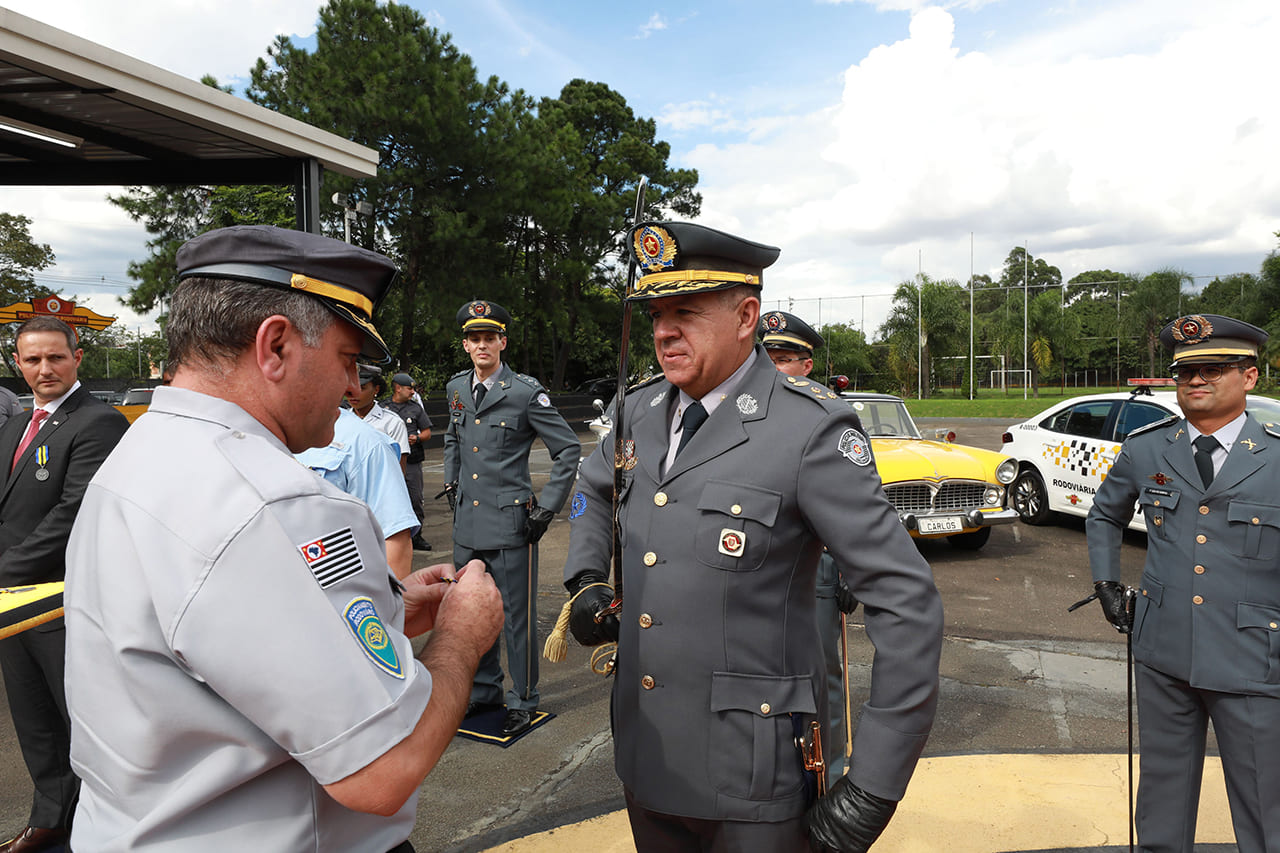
x,y
1029,751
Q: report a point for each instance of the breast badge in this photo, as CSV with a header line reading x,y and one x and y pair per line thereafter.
x,y
747,404
1160,479
854,446
732,542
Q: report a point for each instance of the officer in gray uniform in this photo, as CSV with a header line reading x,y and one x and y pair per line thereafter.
x,y
719,659
239,670
494,416
790,343
1206,626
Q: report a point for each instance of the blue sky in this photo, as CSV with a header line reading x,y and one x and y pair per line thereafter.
x,y
868,138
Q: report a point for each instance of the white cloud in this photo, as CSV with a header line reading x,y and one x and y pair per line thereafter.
x,y
1126,160
188,37
656,23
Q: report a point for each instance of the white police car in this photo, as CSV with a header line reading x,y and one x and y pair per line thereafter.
x,y
1065,452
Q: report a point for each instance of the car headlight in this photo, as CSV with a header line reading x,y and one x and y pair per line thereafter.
x,y
1007,471
993,496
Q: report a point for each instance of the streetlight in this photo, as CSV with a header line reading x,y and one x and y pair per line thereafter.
x,y
350,210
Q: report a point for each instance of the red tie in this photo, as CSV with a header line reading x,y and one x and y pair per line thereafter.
x,y
37,417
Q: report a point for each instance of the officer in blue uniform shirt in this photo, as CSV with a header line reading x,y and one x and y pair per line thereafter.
x,y
734,478
494,416
1206,614
790,343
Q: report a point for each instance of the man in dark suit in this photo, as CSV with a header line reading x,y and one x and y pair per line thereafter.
x,y
1206,615
53,452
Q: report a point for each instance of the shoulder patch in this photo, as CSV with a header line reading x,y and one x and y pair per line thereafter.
x,y
1154,425
855,447
333,557
366,626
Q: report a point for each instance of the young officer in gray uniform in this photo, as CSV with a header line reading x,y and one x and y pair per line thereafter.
x,y
494,416
719,662
1206,626
239,669
790,343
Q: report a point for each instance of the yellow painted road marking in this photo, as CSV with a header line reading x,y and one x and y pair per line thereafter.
x,y
974,804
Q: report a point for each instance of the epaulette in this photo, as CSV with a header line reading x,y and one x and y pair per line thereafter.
x,y
645,383
1154,425
460,374
808,388
1272,429
528,380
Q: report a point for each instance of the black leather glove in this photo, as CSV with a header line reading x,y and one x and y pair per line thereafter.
x,y
536,523
847,819
450,491
582,613
1115,605
845,599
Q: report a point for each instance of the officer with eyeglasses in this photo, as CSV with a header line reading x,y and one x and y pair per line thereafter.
x,y
1206,625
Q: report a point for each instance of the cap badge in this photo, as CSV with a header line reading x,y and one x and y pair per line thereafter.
x,y
1192,330
854,446
775,321
478,309
747,404
654,248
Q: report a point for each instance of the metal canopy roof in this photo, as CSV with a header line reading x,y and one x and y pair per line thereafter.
x,y
100,117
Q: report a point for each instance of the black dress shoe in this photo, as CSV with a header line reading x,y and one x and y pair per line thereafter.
x,y
420,544
516,722
34,839
473,708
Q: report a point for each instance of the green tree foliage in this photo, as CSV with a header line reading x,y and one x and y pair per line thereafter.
x,y
846,352
452,172
20,258
928,319
1148,307
593,150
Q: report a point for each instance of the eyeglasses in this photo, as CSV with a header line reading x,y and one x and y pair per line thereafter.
x,y
1207,372
782,359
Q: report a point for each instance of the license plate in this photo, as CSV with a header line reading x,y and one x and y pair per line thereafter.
x,y
946,524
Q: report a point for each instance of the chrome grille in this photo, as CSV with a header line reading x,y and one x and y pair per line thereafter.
x,y
922,497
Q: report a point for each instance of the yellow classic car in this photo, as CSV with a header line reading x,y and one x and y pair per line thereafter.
x,y
939,489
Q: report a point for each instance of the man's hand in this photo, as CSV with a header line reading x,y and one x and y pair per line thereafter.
x,y
471,609
536,523
845,599
590,600
1115,604
847,819
450,491
423,592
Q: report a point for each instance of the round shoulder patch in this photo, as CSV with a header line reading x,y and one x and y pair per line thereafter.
x,y
855,447
543,400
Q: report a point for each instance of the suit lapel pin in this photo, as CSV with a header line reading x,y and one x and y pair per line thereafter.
x,y
1248,443
747,404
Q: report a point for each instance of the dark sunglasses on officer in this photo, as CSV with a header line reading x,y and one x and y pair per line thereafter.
x,y
1207,372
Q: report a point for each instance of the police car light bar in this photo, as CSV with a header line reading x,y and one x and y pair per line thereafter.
x,y
1158,382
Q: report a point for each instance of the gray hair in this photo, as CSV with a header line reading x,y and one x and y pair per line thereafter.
x,y
213,320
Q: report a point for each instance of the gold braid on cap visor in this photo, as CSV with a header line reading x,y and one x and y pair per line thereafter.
x,y
335,292
486,321
689,281
776,338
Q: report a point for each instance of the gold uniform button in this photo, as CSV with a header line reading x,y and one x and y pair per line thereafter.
x,y
1204,510
475,450
736,509
1199,570
1274,625
660,499
1157,503
765,708
1255,520
1198,599
1157,521
645,620
475,476
477,422
1201,539
650,558
475,503
647,682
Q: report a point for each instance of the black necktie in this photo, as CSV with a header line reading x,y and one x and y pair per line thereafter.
x,y
693,418
1205,445
480,392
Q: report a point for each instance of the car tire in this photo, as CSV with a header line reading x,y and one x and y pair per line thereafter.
x,y
1029,497
970,541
